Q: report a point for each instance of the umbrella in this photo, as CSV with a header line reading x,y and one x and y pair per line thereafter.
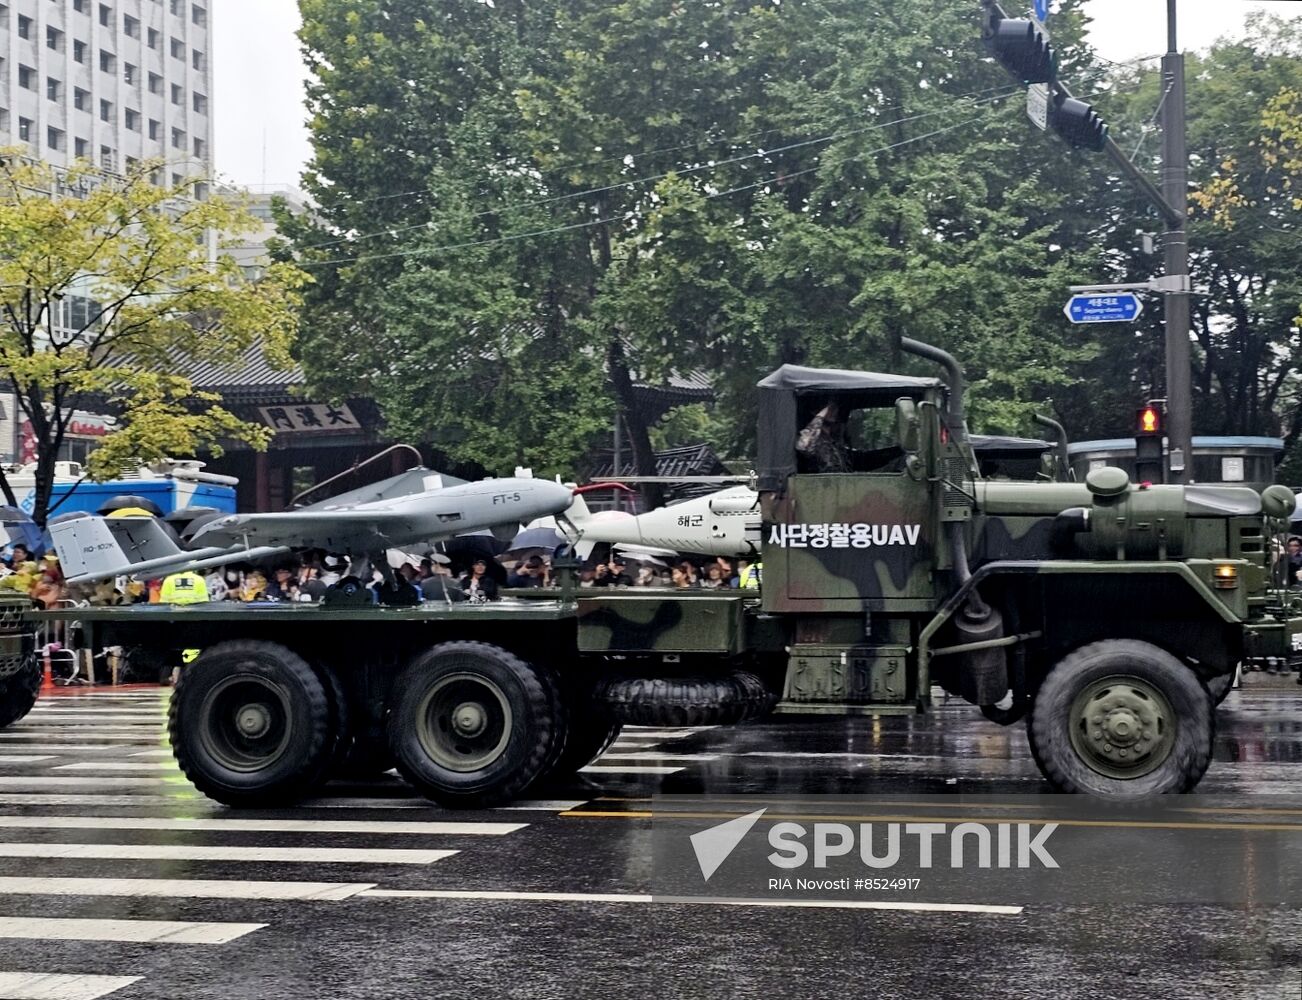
x,y
544,539
463,550
19,527
398,558
126,500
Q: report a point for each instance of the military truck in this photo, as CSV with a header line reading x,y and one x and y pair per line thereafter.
x,y
1109,616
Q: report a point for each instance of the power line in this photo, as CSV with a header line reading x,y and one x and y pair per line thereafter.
x,y
652,152
632,181
777,178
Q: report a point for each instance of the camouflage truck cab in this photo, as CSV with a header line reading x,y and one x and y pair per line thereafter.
x,y
1111,616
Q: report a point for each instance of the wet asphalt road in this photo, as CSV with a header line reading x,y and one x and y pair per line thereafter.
x,y
88,792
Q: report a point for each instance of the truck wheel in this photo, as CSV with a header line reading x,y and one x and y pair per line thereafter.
x,y
250,724
472,724
1122,719
19,691
1219,687
686,701
591,734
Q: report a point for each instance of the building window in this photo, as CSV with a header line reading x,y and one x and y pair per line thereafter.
x,y
201,191
178,48
79,51
81,148
155,83
108,62
80,6
80,99
26,77
156,177
178,94
4,120
131,162
24,26
54,138
176,180
106,157
106,111
53,38
53,88
199,16
178,139
133,119
177,7
155,129
130,74
25,129
130,26
105,15
200,103
200,149
197,58
154,38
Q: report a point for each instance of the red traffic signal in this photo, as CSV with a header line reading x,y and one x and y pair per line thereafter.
x,y
1148,421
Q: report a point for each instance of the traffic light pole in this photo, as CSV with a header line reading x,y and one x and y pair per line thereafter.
x,y
1175,177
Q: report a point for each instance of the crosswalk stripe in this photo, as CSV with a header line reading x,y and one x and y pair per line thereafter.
x,y
24,758
83,714
92,799
57,986
660,734
43,748
151,753
185,852
69,781
118,765
27,728
20,737
648,755
611,897
415,802
143,931
597,769
427,827
180,888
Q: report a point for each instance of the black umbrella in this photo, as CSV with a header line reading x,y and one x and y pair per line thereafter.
x,y
125,500
463,550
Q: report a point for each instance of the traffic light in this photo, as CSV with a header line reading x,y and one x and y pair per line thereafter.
x,y
1022,48
1078,123
1149,466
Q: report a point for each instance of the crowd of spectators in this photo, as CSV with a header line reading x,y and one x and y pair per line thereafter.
x,y
305,578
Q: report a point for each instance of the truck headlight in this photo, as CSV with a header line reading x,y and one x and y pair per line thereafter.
x,y
1225,576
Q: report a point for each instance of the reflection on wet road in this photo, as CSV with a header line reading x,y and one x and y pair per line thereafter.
x,y
118,880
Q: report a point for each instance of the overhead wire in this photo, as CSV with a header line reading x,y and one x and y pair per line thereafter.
x,y
624,216
634,181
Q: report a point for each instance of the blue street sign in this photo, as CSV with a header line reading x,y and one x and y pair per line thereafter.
x,y
1041,10
1107,307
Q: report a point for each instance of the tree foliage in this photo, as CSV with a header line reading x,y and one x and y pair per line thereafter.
x,y
524,206
105,283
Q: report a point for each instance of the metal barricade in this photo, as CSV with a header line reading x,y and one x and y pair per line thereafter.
x,y
58,645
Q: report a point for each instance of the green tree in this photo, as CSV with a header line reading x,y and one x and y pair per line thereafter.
x,y
522,205
105,283
1245,251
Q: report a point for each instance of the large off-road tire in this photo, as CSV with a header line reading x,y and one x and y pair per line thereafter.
x,y
1219,687
472,725
591,734
360,749
250,724
19,691
685,701
1122,719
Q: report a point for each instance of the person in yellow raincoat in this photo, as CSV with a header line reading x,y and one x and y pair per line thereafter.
x,y
184,588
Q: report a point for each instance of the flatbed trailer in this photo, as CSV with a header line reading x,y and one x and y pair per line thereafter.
x,y
1109,616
